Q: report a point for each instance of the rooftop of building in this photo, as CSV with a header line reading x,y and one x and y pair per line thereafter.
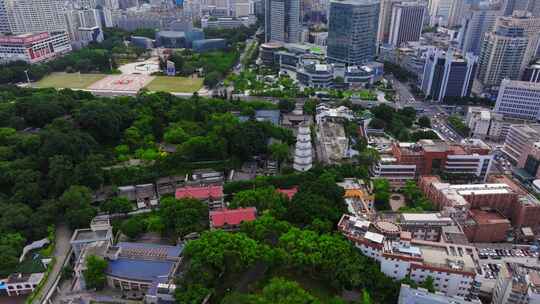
x,y
449,256
139,270
232,217
89,235
30,278
424,217
199,192
149,251
466,147
486,217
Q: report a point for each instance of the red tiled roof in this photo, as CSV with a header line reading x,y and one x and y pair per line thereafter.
x,y
232,217
289,192
201,193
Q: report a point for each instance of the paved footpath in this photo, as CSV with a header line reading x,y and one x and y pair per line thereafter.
x,y
61,250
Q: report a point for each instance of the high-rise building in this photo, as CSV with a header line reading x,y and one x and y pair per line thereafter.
x,y
457,9
352,31
34,15
510,6
519,99
478,21
448,74
502,54
407,22
84,26
4,21
282,20
385,18
445,12
531,28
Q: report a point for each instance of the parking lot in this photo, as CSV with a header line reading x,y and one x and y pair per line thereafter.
x,y
492,259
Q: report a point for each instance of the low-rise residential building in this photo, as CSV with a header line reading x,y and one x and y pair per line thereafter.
x,y
18,284
207,176
34,47
211,195
231,219
451,266
517,283
144,195
168,184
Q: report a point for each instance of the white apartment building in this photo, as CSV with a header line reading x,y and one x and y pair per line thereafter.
x,y
25,16
34,48
451,266
519,138
478,120
519,99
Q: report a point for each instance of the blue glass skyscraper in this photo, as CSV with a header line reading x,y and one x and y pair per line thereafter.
x,y
352,31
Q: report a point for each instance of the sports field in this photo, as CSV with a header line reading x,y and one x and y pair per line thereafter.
x,y
68,80
175,84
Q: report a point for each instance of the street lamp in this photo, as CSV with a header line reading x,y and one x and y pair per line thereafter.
x,y
27,78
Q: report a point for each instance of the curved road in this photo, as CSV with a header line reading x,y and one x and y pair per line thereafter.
x,y
61,250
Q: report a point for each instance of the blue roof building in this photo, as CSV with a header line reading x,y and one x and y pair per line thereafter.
x,y
139,270
139,266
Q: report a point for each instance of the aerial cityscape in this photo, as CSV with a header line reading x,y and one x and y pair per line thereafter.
x,y
270,151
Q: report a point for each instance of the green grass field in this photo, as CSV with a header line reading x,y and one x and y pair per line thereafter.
x,y
175,84
68,80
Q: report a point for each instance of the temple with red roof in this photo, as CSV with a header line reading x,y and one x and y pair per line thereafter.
x,y
231,219
212,194
288,192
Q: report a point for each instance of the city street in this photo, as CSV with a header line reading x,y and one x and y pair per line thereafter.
x,y
405,97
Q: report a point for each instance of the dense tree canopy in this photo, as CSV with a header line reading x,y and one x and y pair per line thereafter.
x,y
94,275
